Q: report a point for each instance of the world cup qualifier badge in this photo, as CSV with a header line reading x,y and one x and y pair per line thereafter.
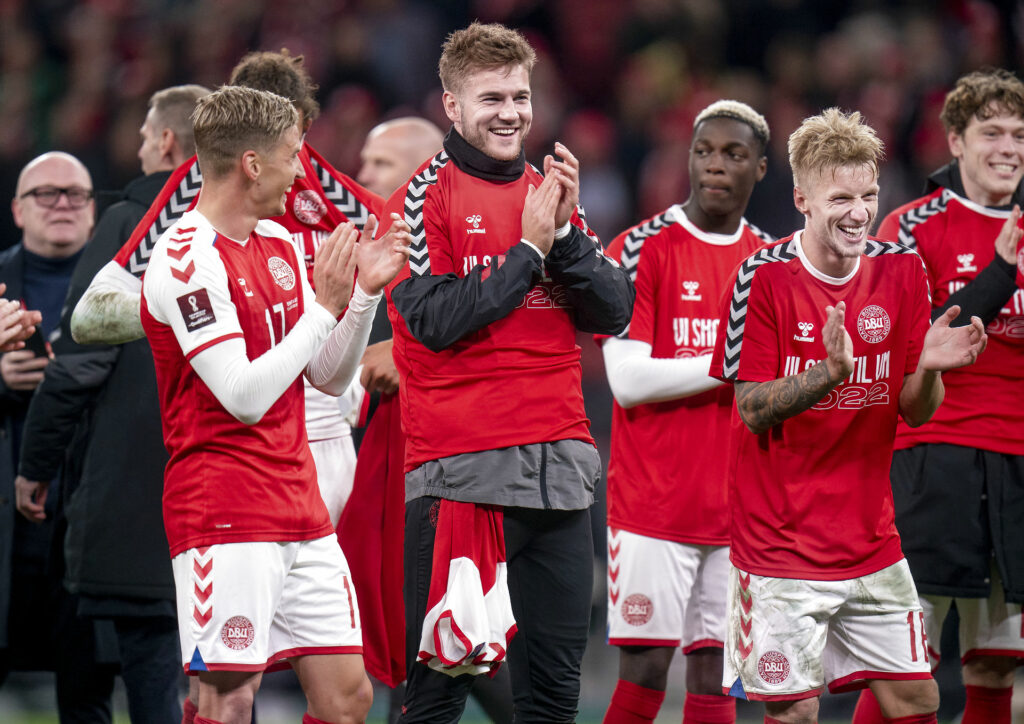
x,y
873,324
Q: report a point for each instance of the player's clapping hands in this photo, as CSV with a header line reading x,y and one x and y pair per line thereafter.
x,y
947,347
538,222
1009,237
334,266
566,173
838,344
380,259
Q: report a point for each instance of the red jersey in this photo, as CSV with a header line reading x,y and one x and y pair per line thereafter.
x,y
226,481
810,498
315,205
668,470
984,403
460,399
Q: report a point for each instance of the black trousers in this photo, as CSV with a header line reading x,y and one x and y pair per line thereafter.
x,y
150,667
45,633
550,576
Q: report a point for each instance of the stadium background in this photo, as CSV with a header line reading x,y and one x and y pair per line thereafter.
x,y
619,82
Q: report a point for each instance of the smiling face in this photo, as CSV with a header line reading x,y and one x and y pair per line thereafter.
x,y
280,166
839,205
491,109
726,160
991,157
61,230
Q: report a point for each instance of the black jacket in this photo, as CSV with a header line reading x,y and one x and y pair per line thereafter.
x,y
32,541
115,544
439,310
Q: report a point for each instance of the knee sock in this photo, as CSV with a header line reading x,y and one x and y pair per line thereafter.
x,y
913,719
190,711
201,720
867,711
633,704
709,709
307,719
987,706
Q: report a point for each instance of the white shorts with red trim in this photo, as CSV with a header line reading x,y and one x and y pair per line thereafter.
x,y
335,459
788,637
988,626
249,606
664,593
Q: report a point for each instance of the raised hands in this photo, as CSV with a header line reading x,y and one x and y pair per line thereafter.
x,y
16,324
379,260
567,174
838,344
550,206
334,268
1009,236
946,347
539,213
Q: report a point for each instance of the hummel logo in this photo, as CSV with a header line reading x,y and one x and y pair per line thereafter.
x,y
475,220
242,283
966,263
690,291
805,332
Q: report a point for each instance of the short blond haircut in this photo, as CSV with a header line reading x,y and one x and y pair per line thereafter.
x,y
737,111
982,95
235,119
173,107
482,47
832,140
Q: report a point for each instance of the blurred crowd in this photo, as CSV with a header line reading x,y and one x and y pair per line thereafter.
x,y
618,82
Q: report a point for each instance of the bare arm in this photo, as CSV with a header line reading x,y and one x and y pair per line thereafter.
x,y
944,348
762,405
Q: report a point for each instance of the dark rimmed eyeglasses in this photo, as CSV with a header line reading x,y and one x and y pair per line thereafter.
x,y
48,196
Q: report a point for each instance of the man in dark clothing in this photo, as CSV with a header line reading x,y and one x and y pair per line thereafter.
x,y
503,273
53,207
115,547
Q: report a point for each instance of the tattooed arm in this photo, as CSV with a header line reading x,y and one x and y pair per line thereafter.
x,y
764,404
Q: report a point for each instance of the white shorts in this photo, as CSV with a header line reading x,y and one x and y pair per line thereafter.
x,y
664,593
788,637
988,626
248,606
335,459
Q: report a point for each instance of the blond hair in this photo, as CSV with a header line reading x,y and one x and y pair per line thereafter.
x,y
236,119
482,47
737,111
831,140
982,95
173,107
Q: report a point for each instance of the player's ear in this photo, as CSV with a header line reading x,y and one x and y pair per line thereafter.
x,y
956,144
800,200
251,165
451,107
762,167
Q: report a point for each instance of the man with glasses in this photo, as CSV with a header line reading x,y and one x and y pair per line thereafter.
x,y
53,207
